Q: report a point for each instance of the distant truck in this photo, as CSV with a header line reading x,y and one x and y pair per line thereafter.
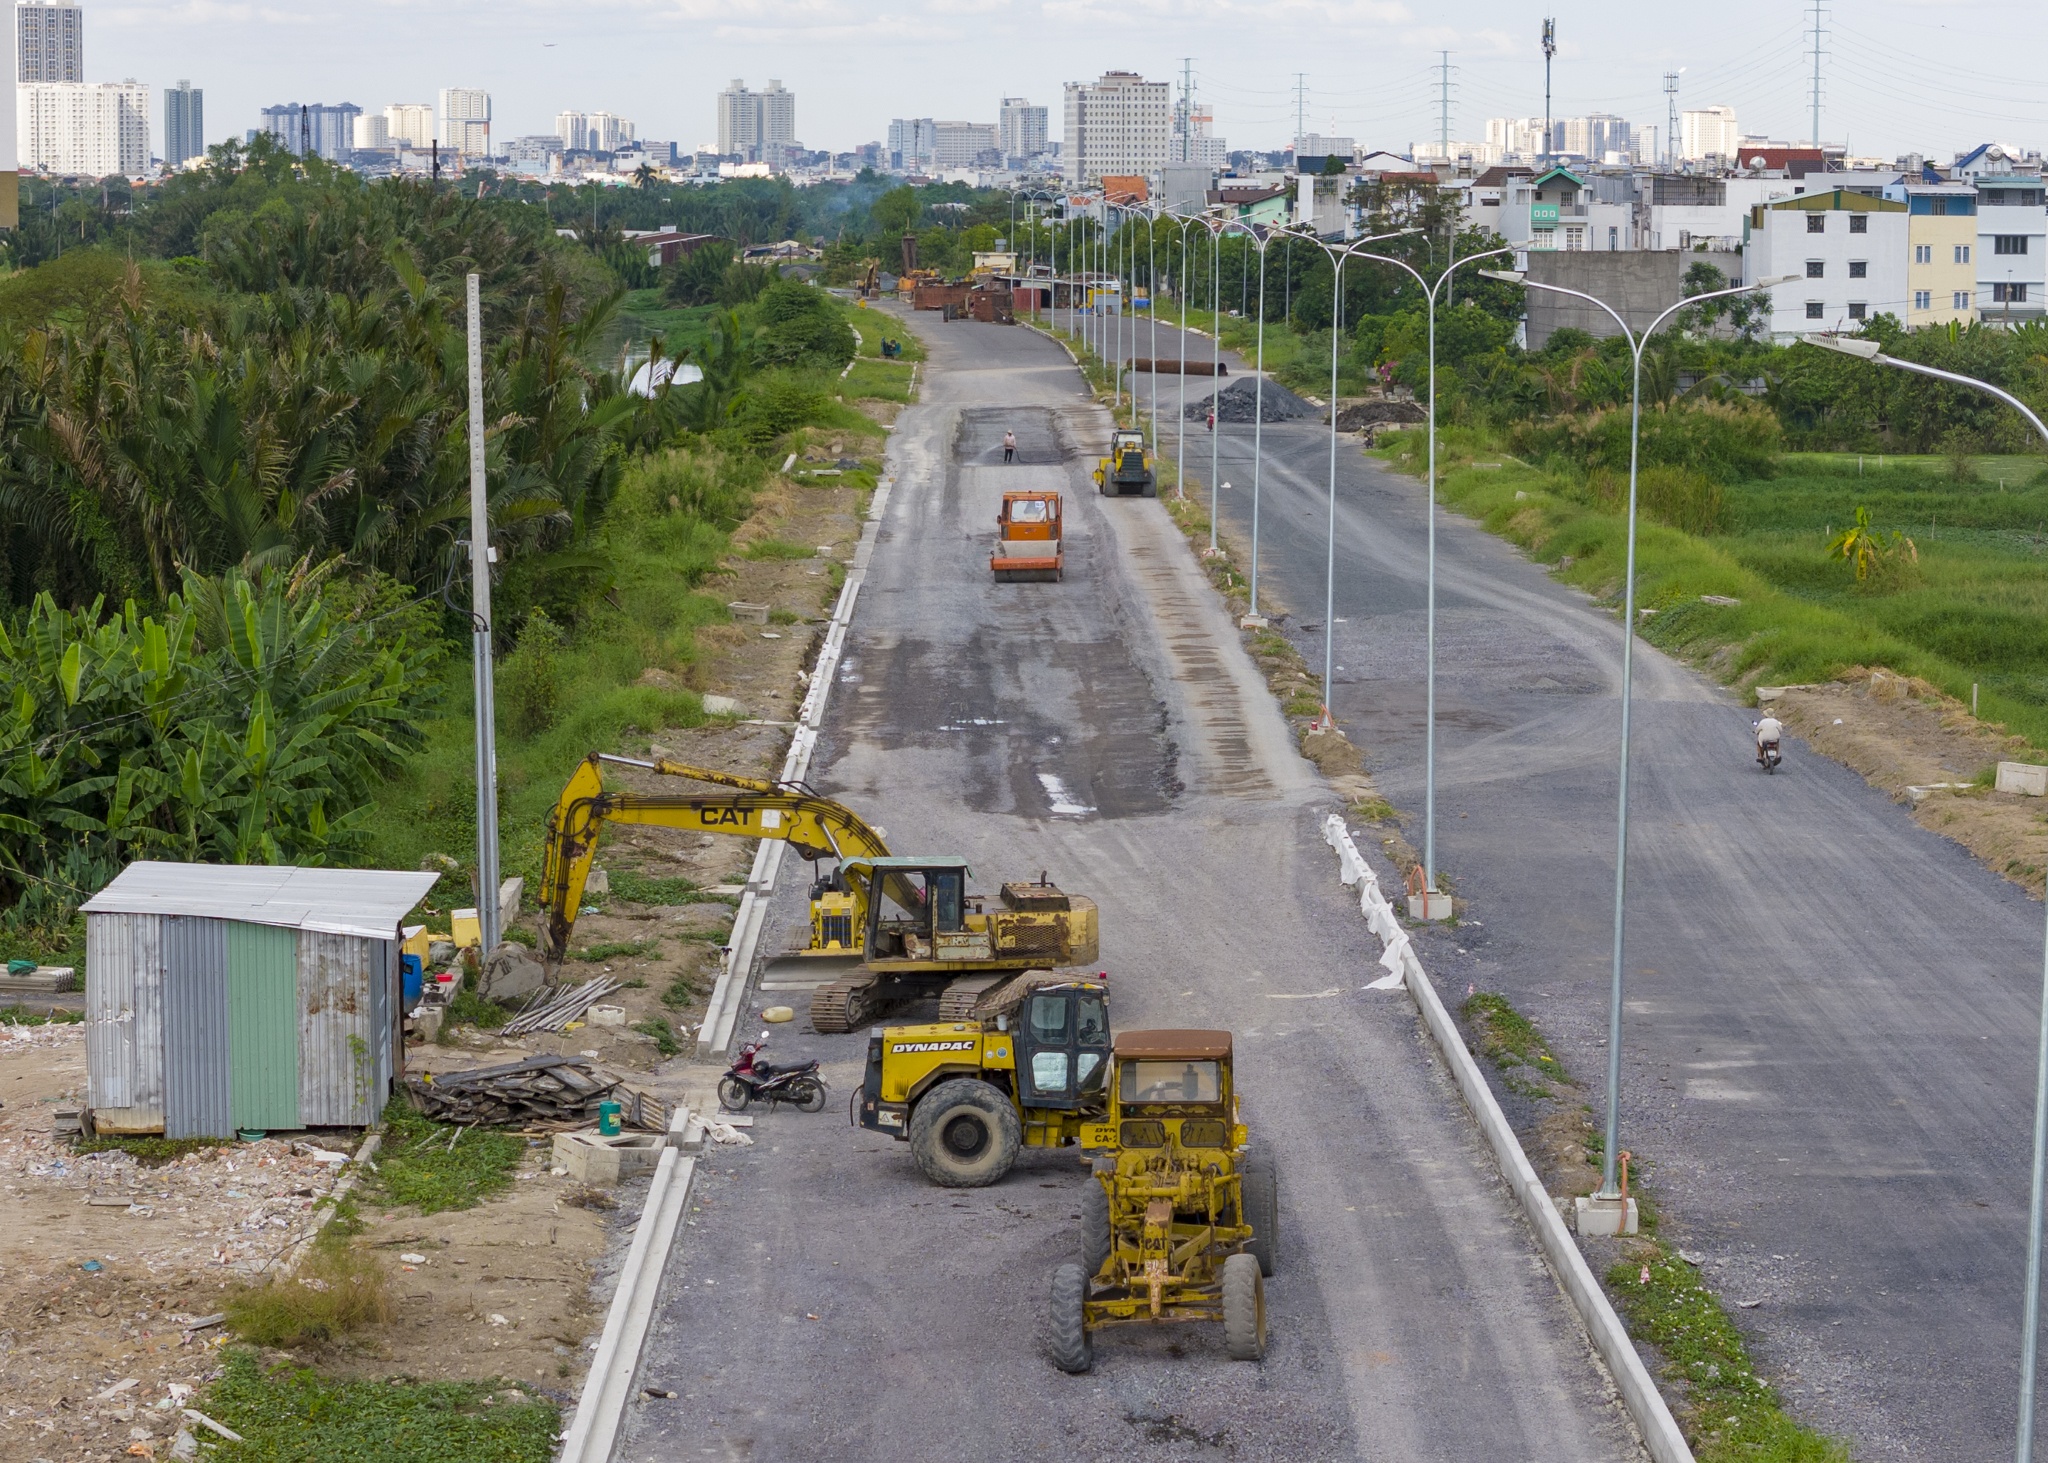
x,y
1028,538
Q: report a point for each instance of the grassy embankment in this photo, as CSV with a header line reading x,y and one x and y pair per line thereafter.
x,y
1973,609
568,689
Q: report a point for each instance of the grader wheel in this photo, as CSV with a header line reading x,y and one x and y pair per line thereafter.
x,y
1073,1349
1095,1235
1260,1186
1244,1308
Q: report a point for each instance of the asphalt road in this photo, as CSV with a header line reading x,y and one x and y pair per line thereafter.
x,y
1828,1042
826,1303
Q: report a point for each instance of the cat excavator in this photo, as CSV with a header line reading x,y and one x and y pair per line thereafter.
x,y
914,923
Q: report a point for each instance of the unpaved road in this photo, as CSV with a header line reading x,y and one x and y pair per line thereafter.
x,y
1829,1033
826,1303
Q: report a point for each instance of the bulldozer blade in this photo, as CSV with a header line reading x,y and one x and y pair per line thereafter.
x,y
1027,576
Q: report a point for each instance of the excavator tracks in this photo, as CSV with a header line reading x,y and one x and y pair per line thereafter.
x,y
844,1005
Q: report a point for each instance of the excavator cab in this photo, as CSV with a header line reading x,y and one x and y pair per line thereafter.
x,y
920,909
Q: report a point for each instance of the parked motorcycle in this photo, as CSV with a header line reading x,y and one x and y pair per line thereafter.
x,y
752,1078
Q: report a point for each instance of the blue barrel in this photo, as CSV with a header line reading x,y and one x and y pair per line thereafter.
x,y
412,977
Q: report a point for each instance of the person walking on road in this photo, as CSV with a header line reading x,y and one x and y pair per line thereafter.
x,y
1212,419
1009,446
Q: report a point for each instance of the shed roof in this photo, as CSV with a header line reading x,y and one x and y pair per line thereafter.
x,y
1173,1043
365,902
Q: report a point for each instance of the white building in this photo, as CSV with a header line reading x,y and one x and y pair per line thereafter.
x,y
1847,251
2012,248
961,144
1708,132
592,131
466,120
911,140
757,126
1316,144
1473,155
1515,138
50,41
1117,127
1022,130
411,123
1557,209
1702,211
372,133
85,129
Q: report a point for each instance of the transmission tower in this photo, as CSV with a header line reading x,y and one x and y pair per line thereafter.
x,y
1818,34
1443,104
1187,109
1549,50
1300,112
1671,120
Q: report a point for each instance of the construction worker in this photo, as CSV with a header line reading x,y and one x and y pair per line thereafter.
x,y
1009,446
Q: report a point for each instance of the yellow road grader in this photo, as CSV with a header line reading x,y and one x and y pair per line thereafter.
x,y
918,929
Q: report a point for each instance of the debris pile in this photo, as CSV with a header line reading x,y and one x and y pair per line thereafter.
x,y
1239,402
547,1092
554,1009
1375,412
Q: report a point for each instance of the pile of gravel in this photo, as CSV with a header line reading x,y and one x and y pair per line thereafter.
x,y
1239,402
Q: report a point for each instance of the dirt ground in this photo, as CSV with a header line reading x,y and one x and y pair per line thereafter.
x,y
1926,750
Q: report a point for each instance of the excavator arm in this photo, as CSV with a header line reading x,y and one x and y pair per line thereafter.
x,y
754,808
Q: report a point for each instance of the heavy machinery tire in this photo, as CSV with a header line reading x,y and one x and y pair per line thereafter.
x,y
808,1095
1244,1309
964,1134
1095,1235
1073,1349
734,1094
1261,1188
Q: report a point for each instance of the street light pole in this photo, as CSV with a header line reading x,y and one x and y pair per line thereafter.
x,y
1609,1192
2030,1325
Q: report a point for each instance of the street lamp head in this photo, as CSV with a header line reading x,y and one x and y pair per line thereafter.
x,y
1848,345
1776,280
1505,276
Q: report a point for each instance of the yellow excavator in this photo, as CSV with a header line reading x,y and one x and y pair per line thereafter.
x,y
913,922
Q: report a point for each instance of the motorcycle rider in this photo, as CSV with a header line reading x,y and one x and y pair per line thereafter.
x,y
1769,732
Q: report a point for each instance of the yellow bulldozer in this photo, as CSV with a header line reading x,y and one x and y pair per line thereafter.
x,y
1128,468
1181,1220
1024,1070
916,926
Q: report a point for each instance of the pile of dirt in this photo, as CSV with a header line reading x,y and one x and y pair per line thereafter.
x,y
1378,411
1239,402
1924,749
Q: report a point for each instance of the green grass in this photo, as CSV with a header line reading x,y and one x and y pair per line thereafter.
x,y
435,1166
470,1009
292,1415
1977,613
633,887
150,1152
779,549
23,1016
336,1290
665,1039
873,380
872,325
619,950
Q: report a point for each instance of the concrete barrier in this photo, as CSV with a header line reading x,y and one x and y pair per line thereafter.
x,y
1610,1338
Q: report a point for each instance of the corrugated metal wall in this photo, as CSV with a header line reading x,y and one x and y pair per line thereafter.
x,y
263,1025
198,1100
339,1040
385,1035
124,1020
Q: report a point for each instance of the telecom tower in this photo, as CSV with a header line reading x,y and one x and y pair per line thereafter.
x,y
1671,120
1184,116
1549,50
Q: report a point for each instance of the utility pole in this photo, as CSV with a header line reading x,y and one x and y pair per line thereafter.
x,y
1671,120
1549,50
1818,33
481,554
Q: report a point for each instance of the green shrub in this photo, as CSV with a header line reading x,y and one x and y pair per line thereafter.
x,y
529,686
1681,497
337,1289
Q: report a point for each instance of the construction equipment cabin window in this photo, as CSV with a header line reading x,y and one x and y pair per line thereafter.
x,y
1171,1080
1030,510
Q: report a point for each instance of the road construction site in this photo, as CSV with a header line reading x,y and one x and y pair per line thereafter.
x,y
824,1300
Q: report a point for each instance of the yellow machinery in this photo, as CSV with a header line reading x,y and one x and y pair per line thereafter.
x,y
1128,468
1024,1070
1181,1221
913,920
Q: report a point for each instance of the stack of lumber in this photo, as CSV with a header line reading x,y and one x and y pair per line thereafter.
x,y
543,1091
552,1009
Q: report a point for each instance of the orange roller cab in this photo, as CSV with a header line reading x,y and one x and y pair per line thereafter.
x,y
1028,538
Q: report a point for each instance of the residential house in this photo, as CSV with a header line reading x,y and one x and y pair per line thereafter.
x,y
1847,250
1558,209
1941,278
2012,233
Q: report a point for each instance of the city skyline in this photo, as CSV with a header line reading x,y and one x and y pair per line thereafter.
x,y
1878,98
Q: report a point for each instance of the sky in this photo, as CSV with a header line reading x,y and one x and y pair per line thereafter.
x,y
1897,75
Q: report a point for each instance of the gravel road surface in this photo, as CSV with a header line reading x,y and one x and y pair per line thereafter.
x,y
1828,1041
824,1302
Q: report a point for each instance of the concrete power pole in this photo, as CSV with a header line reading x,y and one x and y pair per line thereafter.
x,y
1549,50
481,555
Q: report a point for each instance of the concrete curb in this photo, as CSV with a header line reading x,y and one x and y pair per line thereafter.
x,y
722,1012
1610,1338
615,1370
1040,329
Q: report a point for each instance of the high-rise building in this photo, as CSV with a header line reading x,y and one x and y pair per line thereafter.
x,y
911,143
184,123
1710,131
1022,130
51,41
466,120
372,133
88,129
1204,148
756,126
411,124
314,129
1117,126
592,131
961,144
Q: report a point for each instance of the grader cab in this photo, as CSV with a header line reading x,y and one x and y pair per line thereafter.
x,y
1128,468
1181,1220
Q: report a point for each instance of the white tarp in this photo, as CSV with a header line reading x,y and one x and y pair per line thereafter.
x,y
365,902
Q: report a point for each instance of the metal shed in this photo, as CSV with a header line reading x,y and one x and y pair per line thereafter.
x,y
220,997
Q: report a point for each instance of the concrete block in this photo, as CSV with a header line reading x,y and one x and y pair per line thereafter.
x,y
748,613
598,882
606,1016
2023,777
1253,622
601,1162
715,705
510,893
1433,905
1604,1217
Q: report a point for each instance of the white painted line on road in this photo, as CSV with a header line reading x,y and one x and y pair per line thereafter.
x,y
601,1410
722,1012
1610,1338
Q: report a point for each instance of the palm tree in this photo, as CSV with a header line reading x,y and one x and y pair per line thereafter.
x,y
645,176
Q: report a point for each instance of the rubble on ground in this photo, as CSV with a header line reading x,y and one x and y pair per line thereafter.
x,y
1239,402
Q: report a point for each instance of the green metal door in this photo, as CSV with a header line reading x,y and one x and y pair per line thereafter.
x,y
263,1026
